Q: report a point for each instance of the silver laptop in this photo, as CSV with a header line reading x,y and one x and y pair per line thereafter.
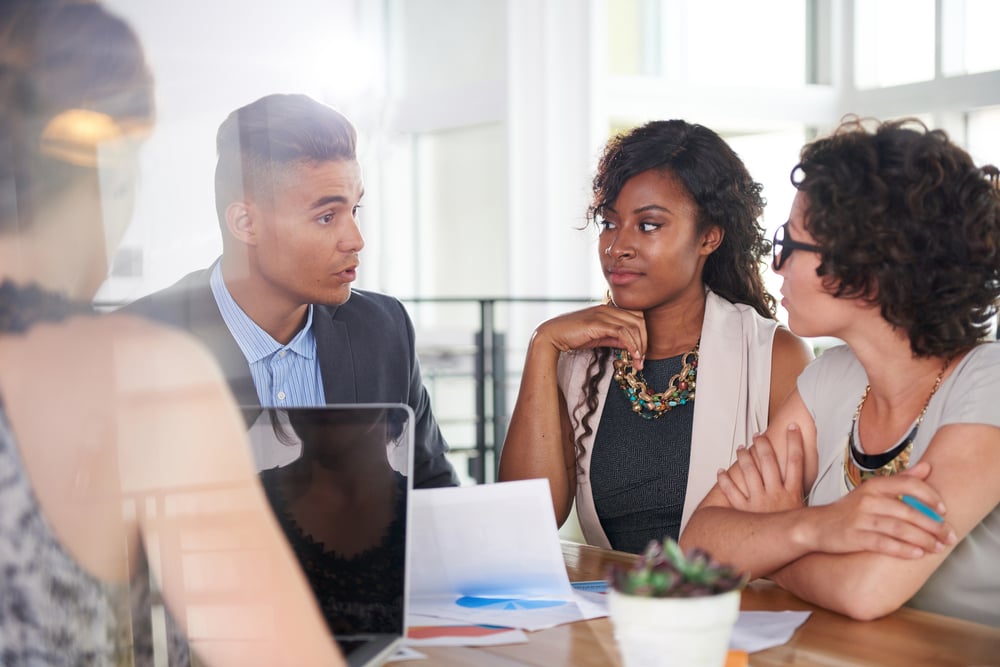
x,y
339,479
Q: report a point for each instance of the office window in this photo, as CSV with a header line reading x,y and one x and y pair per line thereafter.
x,y
714,41
437,45
462,211
769,157
982,18
734,41
894,42
983,135
628,41
970,28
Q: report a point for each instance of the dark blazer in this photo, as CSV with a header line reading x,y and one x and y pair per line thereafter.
x,y
365,348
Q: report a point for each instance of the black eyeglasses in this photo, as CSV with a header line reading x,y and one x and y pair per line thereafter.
x,y
782,246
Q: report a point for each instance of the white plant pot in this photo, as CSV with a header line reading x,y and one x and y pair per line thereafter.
x,y
673,632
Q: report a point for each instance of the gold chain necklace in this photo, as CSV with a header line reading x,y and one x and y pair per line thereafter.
x,y
859,466
650,405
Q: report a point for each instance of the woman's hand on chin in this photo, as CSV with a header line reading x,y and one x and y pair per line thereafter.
x,y
597,326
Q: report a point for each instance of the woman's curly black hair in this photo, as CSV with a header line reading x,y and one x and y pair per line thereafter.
x,y
907,221
726,196
719,184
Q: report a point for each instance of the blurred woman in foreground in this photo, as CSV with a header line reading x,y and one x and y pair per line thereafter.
x,y
116,436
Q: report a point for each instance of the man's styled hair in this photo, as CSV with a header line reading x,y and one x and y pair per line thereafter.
x,y
258,143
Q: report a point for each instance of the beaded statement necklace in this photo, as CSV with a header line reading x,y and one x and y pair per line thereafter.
x,y
650,405
859,466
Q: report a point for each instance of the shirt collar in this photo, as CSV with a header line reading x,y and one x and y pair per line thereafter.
x,y
255,343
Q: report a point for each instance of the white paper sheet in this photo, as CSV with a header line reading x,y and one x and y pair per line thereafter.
x,y
516,612
758,630
490,554
486,540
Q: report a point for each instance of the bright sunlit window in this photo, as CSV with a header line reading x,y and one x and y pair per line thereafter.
x,y
894,42
983,135
686,40
973,45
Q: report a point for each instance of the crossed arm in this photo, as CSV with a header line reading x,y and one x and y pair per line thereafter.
x,y
865,554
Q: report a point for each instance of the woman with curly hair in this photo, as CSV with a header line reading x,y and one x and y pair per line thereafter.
x,y
878,482
607,408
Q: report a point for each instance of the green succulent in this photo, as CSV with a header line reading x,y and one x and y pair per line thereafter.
x,y
664,570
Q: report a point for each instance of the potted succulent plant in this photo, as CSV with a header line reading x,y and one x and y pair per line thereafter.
x,y
672,608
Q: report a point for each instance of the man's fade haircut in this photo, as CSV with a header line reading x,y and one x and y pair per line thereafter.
x,y
258,143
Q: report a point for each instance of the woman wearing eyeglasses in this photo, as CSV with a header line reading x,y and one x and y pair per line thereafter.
x,y
630,407
878,482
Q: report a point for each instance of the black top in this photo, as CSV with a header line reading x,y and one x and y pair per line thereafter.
x,y
639,467
23,306
358,594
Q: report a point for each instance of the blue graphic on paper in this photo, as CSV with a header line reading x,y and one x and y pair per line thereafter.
x,y
473,602
597,586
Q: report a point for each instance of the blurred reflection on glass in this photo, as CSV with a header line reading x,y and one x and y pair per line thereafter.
x,y
342,504
118,438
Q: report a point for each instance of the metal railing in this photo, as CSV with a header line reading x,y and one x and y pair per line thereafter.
x,y
492,336
498,332
476,344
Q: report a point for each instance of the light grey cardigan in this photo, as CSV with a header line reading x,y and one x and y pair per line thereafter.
x,y
734,387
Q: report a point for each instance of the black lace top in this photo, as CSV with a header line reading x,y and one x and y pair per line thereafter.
x,y
22,306
360,594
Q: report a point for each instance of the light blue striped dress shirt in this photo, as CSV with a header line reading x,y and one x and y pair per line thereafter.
x,y
284,375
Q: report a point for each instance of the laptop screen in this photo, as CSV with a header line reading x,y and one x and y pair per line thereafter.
x,y
338,478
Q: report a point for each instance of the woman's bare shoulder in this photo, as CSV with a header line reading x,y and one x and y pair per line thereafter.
x,y
789,357
169,354
790,351
123,352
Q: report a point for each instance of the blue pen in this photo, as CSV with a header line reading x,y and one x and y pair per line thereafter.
x,y
919,506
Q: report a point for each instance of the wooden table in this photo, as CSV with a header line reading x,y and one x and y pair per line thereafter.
x,y
907,638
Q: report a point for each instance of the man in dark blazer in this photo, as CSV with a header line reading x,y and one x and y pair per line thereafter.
x,y
277,309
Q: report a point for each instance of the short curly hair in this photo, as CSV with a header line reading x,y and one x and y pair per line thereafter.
x,y
719,184
906,221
